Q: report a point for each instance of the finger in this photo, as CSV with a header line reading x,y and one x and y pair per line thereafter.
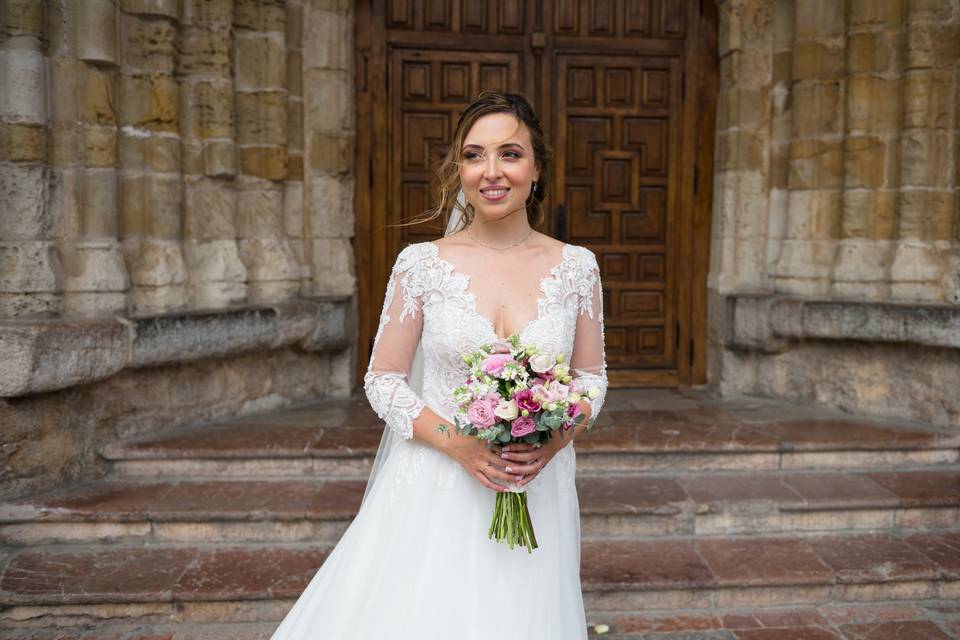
x,y
525,457
495,472
486,482
517,446
523,469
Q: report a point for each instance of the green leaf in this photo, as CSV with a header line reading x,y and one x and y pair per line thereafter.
x,y
531,438
505,436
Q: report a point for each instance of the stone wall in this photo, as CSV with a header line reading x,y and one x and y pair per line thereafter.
x,y
182,164
837,172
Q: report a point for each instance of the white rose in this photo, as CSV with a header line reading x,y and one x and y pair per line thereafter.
x,y
541,363
574,397
561,370
593,393
506,409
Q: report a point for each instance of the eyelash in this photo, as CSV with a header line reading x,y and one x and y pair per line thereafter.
x,y
470,155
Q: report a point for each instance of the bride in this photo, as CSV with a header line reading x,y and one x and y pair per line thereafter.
x,y
416,561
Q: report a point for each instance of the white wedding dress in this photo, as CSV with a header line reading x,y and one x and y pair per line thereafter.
x,y
416,562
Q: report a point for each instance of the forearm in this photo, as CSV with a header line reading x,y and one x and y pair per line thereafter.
x,y
425,431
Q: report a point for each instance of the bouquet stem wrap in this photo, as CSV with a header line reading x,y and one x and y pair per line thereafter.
x,y
511,520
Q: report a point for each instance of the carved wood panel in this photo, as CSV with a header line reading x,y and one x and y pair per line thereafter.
x,y
616,130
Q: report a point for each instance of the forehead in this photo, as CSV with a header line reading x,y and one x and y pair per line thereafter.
x,y
497,128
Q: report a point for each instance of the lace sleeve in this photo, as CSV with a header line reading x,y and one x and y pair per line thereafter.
x,y
588,360
401,323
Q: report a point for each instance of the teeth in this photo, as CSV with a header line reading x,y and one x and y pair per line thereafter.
x,y
495,192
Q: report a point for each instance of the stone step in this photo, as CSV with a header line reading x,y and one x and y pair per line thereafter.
x,y
258,583
338,439
900,620
611,507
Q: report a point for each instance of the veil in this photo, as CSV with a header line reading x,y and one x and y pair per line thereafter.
x,y
389,440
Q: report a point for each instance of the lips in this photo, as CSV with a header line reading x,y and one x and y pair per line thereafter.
x,y
494,193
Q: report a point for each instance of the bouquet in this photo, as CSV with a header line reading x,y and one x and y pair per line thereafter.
x,y
516,393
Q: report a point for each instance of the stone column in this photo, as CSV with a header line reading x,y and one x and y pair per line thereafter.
x,y
261,106
815,176
329,131
83,155
293,205
30,275
951,280
217,275
151,182
870,150
927,199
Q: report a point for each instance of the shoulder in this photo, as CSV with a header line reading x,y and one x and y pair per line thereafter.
x,y
413,254
585,258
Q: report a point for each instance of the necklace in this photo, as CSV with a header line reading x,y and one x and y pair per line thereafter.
x,y
498,248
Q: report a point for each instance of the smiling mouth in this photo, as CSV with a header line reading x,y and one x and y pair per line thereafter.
x,y
494,192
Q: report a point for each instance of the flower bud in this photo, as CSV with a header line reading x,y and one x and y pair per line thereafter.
x,y
560,357
566,379
551,406
593,393
524,413
574,397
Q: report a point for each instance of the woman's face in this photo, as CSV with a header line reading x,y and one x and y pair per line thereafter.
x,y
497,169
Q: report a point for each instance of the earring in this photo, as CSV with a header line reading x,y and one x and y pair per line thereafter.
x,y
535,186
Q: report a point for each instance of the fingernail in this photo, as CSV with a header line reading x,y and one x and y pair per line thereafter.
x,y
509,469
519,478
505,456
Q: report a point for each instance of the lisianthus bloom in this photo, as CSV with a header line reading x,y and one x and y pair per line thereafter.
x,y
522,426
501,346
507,410
542,363
572,412
525,400
495,362
480,414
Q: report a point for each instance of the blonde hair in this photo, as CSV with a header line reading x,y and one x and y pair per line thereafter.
x,y
448,170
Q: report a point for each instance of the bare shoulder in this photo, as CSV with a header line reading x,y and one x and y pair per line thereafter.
x,y
547,246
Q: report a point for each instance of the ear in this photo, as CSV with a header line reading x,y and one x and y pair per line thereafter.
x,y
536,172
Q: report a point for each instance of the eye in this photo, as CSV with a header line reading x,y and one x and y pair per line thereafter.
x,y
513,154
470,155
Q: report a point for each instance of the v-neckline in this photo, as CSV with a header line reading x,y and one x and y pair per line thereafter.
x,y
541,299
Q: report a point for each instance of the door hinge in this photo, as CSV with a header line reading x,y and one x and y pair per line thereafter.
x,y
696,179
691,352
676,337
370,172
683,85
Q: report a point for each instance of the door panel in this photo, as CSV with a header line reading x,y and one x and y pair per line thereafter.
x,y
615,127
625,91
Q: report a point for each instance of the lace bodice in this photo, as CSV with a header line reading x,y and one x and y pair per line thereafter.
x,y
428,300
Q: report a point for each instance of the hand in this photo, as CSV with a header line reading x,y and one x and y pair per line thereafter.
x,y
529,461
480,462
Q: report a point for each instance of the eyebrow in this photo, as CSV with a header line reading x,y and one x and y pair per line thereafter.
x,y
503,146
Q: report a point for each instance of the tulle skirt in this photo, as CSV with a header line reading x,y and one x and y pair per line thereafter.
x,y
416,562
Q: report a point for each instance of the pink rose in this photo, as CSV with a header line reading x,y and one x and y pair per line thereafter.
x,y
480,414
525,400
522,426
495,362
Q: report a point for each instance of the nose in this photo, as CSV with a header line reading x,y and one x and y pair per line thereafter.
x,y
491,167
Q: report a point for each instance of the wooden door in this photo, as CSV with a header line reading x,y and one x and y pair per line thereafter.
x,y
625,91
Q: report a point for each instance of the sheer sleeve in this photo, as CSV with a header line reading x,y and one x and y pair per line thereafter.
x,y
401,323
588,360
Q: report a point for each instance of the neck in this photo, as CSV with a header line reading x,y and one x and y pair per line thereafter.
x,y
501,232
